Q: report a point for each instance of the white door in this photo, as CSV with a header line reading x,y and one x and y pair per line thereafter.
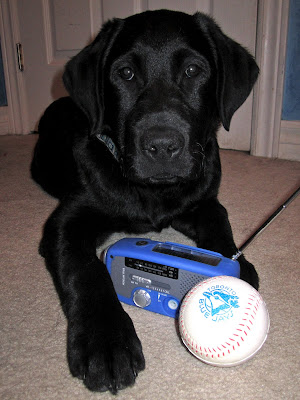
x,y
51,31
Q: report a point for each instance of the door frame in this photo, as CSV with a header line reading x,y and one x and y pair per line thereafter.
x,y
272,24
272,28
17,113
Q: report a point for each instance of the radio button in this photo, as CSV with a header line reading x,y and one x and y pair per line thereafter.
x,y
140,279
173,304
145,281
141,298
142,243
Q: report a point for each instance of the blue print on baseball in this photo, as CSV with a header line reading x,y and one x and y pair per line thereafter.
x,y
218,302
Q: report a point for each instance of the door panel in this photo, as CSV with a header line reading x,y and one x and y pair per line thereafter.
x,y
66,28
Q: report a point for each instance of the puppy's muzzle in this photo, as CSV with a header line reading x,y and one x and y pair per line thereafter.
x,y
162,144
159,148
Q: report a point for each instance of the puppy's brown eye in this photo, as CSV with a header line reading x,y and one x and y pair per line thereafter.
x,y
126,73
192,71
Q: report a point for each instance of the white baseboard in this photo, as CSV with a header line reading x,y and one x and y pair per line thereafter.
x,y
289,142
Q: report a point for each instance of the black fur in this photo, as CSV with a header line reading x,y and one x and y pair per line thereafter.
x,y
159,84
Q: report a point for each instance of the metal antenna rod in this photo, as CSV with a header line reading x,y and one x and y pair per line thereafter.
x,y
265,224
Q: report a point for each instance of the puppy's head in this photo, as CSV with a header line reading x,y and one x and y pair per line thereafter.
x,y
161,83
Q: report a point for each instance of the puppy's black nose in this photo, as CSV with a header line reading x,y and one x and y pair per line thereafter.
x,y
162,144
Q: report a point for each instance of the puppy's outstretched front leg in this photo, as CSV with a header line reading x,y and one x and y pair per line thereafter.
x,y
209,227
103,348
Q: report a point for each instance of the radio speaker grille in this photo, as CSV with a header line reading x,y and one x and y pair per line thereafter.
x,y
188,280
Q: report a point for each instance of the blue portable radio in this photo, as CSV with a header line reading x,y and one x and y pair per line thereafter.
x,y
157,275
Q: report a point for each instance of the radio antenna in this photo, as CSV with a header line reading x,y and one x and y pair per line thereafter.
x,y
265,224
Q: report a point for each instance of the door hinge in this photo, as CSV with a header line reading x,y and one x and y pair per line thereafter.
x,y
20,56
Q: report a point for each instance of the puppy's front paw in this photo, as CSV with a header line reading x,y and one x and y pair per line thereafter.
x,y
248,272
106,355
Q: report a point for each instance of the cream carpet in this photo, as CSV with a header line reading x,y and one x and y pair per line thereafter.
x,y
33,358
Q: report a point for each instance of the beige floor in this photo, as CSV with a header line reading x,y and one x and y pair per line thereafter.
x,y
33,360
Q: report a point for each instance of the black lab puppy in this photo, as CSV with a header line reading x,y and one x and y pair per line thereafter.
x,y
134,149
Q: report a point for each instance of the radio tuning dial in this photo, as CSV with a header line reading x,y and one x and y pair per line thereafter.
x,y
141,298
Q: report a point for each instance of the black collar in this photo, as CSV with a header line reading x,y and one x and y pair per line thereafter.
x,y
110,145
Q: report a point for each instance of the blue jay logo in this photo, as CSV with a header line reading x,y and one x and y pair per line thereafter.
x,y
218,303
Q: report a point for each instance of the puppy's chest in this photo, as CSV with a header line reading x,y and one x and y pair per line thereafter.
x,y
140,208
150,210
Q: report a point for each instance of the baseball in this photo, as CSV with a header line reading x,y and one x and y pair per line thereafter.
x,y
223,321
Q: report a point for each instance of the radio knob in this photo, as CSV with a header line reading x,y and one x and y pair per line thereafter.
x,y
141,298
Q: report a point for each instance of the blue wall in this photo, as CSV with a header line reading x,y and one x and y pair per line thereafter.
x,y
3,99
291,95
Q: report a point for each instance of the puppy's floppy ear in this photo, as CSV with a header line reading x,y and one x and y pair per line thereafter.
x,y
83,76
236,69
